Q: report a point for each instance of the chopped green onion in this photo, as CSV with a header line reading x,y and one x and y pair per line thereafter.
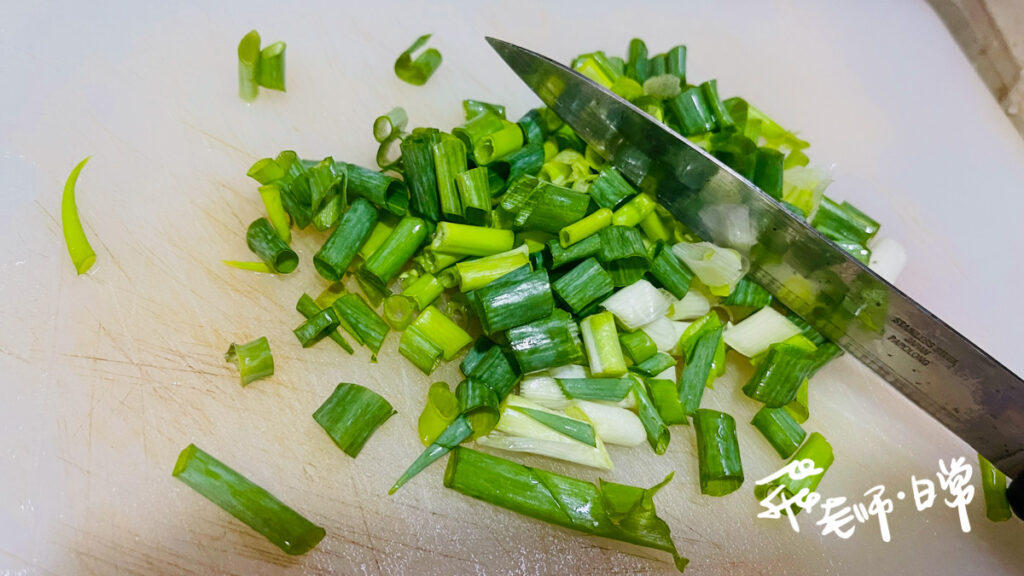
x,y
420,172
82,255
597,389
585,227
474,274
479,404
610,190
477,127
463,239
655,364
420,349
623,254
472,108
578,430
756,333
434,262
317,327
265,243
815,449
780,429
748,293
993,486
718,452
365,323
399,311
250,266
552,341
657,430
546,435
584,285
334,257
383,191
309,308
692,306
440,411
449,160
270,72
720,269
498,144
391,124
407,237
670,272
444,332
417,70
628,88
456,433
654,227
583,249
271,196
779,374
613,424
351,414
248,66
697,371
602,345
544,390
637,305
675,62
691,110
539,205
768,168
475,195
666,334
488,363
515,299
798,408
844,221
718,110
423,290
665,396
633,212
253,359
266,171
662,87
638,66
240,497
638,345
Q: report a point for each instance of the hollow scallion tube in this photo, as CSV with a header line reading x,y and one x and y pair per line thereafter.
x,y
665,396
390,124
473,274
81,252
456,433
638,66
365,323
240,497
768,167
248,66
718,452
253,359
578,251
634,211
449,160
498,144
623,254
584,285
779,375
638,345
655,365
403,242
423,290
610,190
420,173
270,72
513,300
489,363
265,243
601,340
479,404
420,350
383,191
584,228
475,195
779,429
434,262
670,272
351,414
309,308
443,331
697,370
334,257
675,62
718,110
477,127
692,113
657,430
440,411
548,342
317,327
416,67
399,311
466,240
993,486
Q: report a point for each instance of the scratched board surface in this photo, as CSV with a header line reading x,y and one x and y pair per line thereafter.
x,y
104,378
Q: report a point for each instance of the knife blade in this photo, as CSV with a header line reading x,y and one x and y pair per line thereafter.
x,y
924,358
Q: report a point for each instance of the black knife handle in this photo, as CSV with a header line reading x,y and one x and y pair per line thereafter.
x,y
1015,494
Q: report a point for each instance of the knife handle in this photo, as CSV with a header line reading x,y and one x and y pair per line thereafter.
x,y
1015,494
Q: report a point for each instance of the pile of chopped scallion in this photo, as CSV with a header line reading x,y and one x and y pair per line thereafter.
x,y
582,313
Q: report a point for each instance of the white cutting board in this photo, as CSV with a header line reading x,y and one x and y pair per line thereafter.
x,y
106,377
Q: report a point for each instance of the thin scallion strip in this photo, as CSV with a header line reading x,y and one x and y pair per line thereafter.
x,y
601,340
585,227
551,341
584,285
265,243
416,67
420,350
479,404
993,486
420,172
596,389
253,359
670,272
403,242
658,435
697,370
364,322
82,255
475,195
578,251
634,211
383,191
317,327
309,308
463,239
515,299
351,414
390,124
638,345
248,66
655,365
610,189
456,433
489,363
240,497
334,257
439,412
718,452
665,396
443,331
449,160
779,429
270,72
816,449
271,196
474,274
250,266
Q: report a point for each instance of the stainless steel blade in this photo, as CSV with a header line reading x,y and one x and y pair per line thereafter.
x,y
924,358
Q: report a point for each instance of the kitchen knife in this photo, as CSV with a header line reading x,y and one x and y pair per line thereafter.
x,y
932,364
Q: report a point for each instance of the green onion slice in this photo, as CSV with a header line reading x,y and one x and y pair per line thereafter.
x,y
416,67
270,72
351,414
993,485
365,323
440,411
390,124
253,359
264,241
78,245
780,429
309,308
248,66
718,452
